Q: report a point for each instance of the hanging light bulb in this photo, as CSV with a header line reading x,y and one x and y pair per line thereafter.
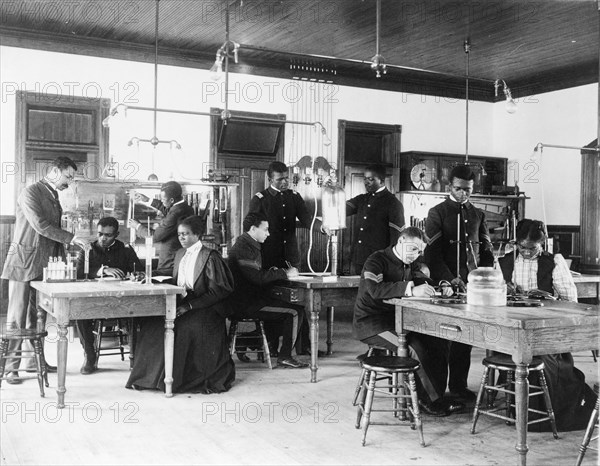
x,y
216,71
511,105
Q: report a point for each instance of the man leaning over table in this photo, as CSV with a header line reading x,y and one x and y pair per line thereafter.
x,y
394,272
109,257
38,235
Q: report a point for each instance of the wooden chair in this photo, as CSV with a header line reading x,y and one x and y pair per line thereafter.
x,y
403,394
236,336
113,329
589,431
36,338
504,363
363,373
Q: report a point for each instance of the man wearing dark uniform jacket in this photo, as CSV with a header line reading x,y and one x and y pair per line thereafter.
x,y
394,272
282,207
109,257
379,218
174,210
441,229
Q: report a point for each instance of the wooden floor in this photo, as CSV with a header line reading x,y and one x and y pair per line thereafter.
x,y
268,417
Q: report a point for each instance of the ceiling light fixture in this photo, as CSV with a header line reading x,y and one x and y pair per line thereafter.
x,y
511,106
154,140
378,62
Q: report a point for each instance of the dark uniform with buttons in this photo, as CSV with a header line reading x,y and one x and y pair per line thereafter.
x,y
281,208
440,256
379,221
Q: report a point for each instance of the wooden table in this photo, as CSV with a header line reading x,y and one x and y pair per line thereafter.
x,y
558,327
319,292
106,299
588,286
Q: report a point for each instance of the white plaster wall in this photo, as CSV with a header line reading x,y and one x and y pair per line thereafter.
x,y
553,181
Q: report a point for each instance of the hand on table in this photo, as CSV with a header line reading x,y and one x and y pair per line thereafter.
x,y
423,291
111,272
459,284
292,272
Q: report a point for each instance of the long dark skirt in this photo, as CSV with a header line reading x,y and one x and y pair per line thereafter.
x,y
201,363
572,399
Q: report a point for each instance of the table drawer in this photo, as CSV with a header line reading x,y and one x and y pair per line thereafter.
x,y
287,294
459,329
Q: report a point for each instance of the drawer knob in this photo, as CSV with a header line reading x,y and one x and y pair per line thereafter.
x,y
451,328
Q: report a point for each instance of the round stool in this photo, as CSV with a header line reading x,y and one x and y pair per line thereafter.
x,y
36,339
262,352
402,393
363,373
504,364
589,431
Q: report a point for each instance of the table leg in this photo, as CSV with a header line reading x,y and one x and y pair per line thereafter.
x,y
169,344
330,314
313,312
522,406
61,356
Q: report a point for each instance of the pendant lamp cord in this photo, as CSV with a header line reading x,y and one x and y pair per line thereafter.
x,y
467,46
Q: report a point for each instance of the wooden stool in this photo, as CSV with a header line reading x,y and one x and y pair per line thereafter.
x,y
363,373
235,336
118,333
392,368
36,338
503,362
589,431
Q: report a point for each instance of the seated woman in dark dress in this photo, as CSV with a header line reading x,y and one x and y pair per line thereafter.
x,y
572,399
202,363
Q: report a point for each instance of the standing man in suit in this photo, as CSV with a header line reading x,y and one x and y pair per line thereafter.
x,y
475,250
282,207
174,209
379,218
38,235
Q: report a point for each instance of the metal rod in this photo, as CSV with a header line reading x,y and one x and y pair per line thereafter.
x,y
458,245
156,66
467,46
541,145
377,26
363,62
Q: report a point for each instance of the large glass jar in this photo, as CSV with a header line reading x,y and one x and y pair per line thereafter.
x,y
486,287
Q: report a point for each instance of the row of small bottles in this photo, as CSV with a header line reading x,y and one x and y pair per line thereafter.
x,y
193,200
418,222
58,269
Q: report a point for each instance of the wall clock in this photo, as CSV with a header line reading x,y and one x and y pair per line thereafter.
x,y
422,174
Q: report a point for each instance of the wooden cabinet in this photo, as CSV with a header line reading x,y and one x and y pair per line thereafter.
x,y
430,171
590,211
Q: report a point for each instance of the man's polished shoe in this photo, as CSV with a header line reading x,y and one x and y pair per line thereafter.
x,y
12,378
291,363
464,394
437,408
89,367
452,406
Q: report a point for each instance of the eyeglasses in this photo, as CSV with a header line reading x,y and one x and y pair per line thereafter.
x,y
533,248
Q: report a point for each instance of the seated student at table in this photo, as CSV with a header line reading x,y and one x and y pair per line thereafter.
x,y
108,257
572,399
202,363
394,272
250,298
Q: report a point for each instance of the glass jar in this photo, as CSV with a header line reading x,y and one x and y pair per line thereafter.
x,y
486,287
